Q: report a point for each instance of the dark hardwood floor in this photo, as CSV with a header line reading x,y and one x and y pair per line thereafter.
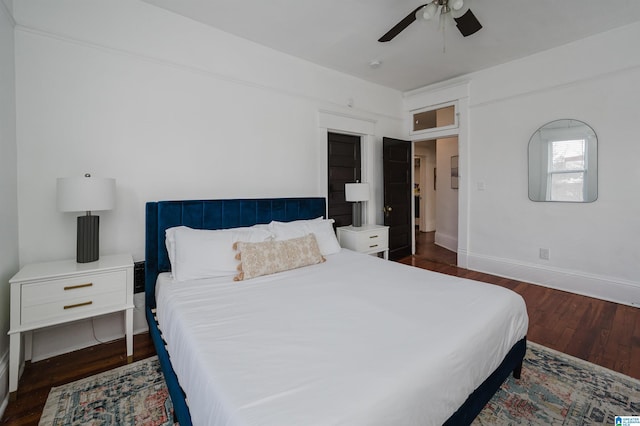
x,y
427,249
601,332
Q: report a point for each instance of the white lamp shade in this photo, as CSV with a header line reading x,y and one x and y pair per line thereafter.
x,y
356,191
77,194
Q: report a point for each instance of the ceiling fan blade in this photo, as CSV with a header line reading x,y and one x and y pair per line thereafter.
x,y
468,23
400,26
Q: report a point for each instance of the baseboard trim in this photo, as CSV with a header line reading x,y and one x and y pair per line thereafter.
x,y
447,241
600,287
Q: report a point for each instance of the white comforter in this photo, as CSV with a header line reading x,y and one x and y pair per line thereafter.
x,y
353,341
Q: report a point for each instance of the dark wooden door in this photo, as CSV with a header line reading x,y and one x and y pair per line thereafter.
x,y
397,163
344,167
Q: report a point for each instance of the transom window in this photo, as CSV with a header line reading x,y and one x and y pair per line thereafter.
x,y
434,119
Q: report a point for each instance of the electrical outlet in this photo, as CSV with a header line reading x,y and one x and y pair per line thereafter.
x,y
544,253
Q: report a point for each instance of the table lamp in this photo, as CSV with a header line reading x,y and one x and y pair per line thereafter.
x,y
356,193
86,194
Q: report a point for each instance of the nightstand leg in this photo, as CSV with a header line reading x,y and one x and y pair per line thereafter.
x,y
128,319
385,254
14,362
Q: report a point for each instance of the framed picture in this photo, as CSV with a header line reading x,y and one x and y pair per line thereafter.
x,y
454,172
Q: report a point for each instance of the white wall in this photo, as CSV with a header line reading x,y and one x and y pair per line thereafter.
x,y
446,197
170,108
8,187
426,150
593,247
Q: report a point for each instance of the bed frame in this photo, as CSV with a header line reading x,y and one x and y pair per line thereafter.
x,y
223,214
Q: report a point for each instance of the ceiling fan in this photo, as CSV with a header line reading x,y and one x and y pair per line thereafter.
x,y
467,22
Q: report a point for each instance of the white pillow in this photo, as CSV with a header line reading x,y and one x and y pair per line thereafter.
x,y
200,253
321,228
170,242
294,229
170,238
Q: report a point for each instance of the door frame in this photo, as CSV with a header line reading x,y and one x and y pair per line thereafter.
x,y
432,97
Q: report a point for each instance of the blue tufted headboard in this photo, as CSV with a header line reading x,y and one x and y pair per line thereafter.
x,y
213,214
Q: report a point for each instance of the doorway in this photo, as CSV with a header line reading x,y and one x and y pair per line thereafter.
x,y
435,188
344,166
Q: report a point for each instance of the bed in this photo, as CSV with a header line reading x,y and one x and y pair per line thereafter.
x,y
351,340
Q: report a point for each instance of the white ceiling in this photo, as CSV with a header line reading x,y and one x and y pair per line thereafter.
x,y
343,34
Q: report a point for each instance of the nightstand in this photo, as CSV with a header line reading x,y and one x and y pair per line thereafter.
x,y
368,239
51,293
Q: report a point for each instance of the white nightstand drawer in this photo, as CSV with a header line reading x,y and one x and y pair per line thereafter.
x,y
368,239
71,288
71,307
372,240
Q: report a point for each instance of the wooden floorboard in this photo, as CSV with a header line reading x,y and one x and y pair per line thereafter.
x,y
598,331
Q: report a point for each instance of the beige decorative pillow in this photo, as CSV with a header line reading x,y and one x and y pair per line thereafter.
x,y
269,257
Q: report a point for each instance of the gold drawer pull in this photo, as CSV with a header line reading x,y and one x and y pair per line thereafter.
x,y
77,305
373,236
73,287
375,245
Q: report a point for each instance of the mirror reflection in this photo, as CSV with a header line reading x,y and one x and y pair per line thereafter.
x,y
563,162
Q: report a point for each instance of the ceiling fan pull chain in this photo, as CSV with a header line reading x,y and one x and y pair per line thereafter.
x,y
442,26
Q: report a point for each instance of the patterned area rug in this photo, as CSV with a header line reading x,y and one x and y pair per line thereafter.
x,y
555,389
134,394
558,389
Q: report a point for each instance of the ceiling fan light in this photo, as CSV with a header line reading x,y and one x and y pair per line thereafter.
x,y
456,4
429,11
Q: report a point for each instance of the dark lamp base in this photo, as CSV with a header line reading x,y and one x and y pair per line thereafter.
x,y
357,214
88,239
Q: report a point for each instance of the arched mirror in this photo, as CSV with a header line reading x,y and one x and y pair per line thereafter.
x,y
563,162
